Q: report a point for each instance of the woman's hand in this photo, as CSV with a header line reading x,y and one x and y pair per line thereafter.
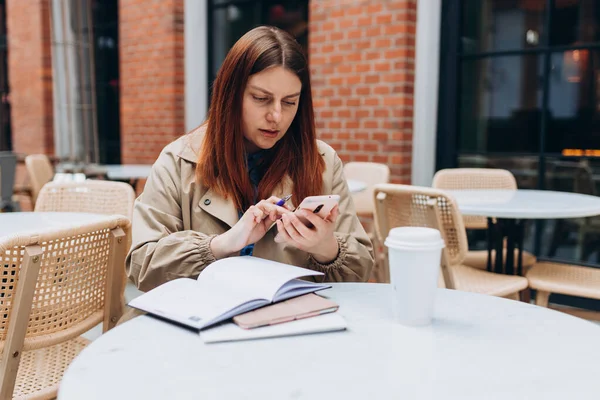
x,y
251,227
317,240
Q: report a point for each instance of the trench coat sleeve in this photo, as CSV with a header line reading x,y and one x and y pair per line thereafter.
x,y
161,249
355,258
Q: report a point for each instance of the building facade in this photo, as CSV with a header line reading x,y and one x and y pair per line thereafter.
x,y
419,85
361,56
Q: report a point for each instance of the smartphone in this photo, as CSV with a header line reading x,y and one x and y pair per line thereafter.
x,y
320,205
305,306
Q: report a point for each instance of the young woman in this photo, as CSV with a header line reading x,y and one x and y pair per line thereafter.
x,y
213,192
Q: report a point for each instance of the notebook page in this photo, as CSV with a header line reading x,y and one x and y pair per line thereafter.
x,y
184,301
256,277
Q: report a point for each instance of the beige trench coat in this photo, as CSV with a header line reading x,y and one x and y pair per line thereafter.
x,y
175,218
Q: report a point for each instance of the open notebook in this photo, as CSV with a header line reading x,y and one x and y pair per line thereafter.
x,y
224,289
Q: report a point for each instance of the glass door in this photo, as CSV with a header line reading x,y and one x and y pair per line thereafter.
x,y
526,98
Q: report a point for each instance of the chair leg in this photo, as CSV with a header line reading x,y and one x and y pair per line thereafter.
x,y
513,296
541,298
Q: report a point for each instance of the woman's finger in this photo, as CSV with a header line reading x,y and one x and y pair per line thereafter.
x,y
333,215
313,218
257,214
302,229
268,207
272,200
291,229
282,235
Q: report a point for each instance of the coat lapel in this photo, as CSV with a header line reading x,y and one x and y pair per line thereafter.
x,y
219,207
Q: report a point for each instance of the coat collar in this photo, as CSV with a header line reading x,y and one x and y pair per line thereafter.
x,y
215,204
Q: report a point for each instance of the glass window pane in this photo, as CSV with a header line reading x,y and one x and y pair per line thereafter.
x,y
574,239
574,103
495,25
575,22
500,105
290,15
525,170
523,167
232,21
229,24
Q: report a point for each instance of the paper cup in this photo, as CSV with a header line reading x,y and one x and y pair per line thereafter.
x,y
414,259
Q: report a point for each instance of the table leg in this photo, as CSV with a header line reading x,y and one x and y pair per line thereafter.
x,y
499,239
490,241
520,233
510,246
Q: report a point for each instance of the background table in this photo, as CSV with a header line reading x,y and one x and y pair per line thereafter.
x,y
507,211
475,349
355,186
121,172
23,222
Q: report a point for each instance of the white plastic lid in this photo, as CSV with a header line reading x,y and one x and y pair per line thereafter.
x,y
413,237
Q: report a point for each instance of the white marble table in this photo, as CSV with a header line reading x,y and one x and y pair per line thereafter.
x,y
355,186
526,204
512,208
121,172
479,347
24,222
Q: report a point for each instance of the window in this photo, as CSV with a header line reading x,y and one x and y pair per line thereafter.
x,y
526,98
5,131
230,20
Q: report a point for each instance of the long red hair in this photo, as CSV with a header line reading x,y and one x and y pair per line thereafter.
x,y
222,163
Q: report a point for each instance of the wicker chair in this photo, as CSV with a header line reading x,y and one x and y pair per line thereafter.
x,y
479,178
572,280
101,197
40,171
56,285
372,174
402,205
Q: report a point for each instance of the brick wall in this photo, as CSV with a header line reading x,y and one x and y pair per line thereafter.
x,y
30,81
362,63
151,77
30,76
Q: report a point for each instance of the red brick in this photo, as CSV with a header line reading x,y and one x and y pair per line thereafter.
x,y
152,96
363,67
30,77
352,146
380,159
362,113
345,113
380,136
371,147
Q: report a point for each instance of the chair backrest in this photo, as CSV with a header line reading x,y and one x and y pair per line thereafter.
x,y
474,178
404,205
8,167
101,197
371,174
57,285
40,171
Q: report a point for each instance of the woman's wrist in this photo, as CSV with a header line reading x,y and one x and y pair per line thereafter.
x,y
219,246
327,252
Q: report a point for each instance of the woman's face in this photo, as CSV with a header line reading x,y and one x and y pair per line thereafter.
x,y
270,104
